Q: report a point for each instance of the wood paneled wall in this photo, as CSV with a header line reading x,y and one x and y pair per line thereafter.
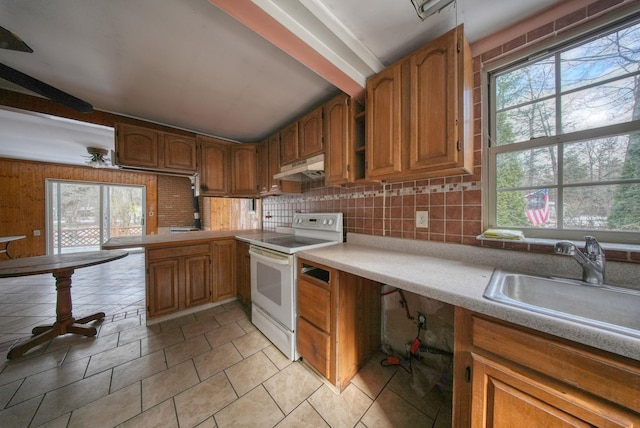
x,y
230,214
22,198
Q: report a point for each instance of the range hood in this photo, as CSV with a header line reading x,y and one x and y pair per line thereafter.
x,y
312,168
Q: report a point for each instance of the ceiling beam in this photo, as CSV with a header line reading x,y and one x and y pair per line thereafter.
x,y
255,18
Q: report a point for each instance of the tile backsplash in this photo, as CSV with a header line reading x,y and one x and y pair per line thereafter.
x,y
453,205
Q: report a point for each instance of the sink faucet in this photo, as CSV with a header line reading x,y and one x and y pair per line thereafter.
x,y
592,259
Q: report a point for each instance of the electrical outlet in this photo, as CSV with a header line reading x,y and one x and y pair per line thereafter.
x,y
422,321
422,219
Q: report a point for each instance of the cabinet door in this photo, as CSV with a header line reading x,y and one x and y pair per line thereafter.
x,y
289,144
434,99
504,397
137,146
214,167
274,161
277,186
179,153
197,277
162,287
337,124
310,134
225,273
384,123
244,272
243,170
264,181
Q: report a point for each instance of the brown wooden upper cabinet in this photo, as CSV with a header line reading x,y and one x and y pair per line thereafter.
x,y
343,120
264,179
269,165
227,169
419,113
244,169
302,139
337,124
289,144
384,121
180,153
214,166
146,148
310,134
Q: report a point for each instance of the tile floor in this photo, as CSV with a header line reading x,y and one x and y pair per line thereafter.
x,y
208,369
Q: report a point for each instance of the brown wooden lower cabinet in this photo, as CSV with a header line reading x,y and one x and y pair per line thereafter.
x,y
177,278
243,273
314,346
338,321
224,286
511,376
197,280
163,283
183,276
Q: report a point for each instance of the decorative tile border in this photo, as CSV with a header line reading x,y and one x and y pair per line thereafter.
x,y
383,190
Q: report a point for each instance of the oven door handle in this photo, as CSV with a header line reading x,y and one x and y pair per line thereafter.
x,y
269,256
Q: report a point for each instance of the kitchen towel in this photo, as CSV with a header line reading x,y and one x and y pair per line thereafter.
x,y
514,235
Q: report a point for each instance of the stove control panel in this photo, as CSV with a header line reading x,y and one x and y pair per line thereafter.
x,y
331,222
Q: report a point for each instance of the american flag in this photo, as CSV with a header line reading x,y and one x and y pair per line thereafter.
x,y
538,207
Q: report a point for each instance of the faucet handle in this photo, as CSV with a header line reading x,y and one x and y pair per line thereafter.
x,y
564,247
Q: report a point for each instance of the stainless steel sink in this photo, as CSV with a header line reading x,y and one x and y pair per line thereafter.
x,y
612,308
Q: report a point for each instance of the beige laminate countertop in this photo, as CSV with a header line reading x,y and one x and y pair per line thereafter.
x,y
149,241
184,238
458,275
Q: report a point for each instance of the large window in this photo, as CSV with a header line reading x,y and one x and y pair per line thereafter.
x,y
564,140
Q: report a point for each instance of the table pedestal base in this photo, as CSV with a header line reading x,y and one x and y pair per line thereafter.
x,y
65,323
62,267
47,332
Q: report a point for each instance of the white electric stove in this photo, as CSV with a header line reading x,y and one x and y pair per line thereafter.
x,y
273,274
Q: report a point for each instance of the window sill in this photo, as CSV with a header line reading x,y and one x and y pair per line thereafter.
x,y
552,242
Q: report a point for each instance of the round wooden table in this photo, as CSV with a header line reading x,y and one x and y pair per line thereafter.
x,y
62,267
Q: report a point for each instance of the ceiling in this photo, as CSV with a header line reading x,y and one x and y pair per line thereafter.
x,y
236,69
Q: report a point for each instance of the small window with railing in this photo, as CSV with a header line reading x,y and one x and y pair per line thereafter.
x,y
564,139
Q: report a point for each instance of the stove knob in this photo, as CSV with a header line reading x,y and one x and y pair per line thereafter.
x,y
330,222
324,222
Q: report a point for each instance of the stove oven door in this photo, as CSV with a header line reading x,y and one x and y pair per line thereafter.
x,y
273,284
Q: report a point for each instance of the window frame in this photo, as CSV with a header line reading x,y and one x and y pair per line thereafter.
x,y
548,48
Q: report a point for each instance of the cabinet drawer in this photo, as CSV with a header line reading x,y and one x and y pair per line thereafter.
x,y
177,251
314,304
314,346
